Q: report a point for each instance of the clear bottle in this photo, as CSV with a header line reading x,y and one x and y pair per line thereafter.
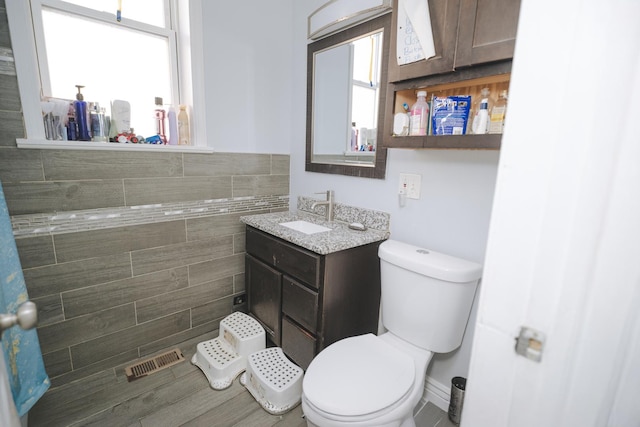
x,y
173,126
354,137
97,120
183,126
481,119
419,115
498,114
160,115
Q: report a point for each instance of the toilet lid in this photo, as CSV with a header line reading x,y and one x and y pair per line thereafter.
x,y
358,376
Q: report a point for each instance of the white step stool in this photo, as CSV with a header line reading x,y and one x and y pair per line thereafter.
x,y
223,358
273,380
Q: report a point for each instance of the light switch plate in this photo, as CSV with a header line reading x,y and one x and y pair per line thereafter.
x,y
411,185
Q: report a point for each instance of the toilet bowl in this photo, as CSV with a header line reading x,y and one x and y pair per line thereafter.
x,y
371,380
366,380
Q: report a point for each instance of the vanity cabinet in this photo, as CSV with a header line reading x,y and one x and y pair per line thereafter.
x,y
307,301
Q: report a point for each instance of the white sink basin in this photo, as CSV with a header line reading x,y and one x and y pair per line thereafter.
x,y
305,227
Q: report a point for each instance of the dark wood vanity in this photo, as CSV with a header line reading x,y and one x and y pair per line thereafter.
x,y
307,301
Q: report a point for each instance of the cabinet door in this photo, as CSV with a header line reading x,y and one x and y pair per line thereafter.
x,y
444,25
264,296
487,31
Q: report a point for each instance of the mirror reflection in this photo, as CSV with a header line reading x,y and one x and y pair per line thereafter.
x,y
346,85
345,102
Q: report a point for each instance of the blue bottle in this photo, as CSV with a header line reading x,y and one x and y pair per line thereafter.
x,y
80,108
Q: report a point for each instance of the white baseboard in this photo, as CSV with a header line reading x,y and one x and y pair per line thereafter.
x,y
437,393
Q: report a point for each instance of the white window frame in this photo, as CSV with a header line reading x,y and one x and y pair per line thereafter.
x,y
189,74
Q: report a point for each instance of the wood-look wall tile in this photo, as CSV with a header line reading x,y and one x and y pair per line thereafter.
x,y
204,332
239,283
20,165
100,297
57,362
170,190
213,311
80,329
224,164
9,94
109,241
49,309
156,259
239,243
213,226
280,164
88,371
266,185
216,269
38,197
182,299
92,351
54,279
79,165
36,251
5,38
11,128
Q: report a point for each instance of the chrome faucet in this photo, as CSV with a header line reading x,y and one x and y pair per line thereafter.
x,y
328,204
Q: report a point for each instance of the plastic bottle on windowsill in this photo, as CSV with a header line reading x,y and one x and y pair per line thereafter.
x,y
183,126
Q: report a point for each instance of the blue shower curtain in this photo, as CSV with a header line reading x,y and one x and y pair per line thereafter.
x,y
27,377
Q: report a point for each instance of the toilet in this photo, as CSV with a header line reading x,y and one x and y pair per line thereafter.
x,y
370,380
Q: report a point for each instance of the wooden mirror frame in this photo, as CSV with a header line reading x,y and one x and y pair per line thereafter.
x,y
380,166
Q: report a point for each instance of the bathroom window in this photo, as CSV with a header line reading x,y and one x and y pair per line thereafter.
x,y
81,42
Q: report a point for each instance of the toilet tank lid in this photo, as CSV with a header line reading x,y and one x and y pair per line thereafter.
x,y
429,263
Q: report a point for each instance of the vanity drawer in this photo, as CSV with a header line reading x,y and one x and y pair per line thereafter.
x,y
300,303
304,265
297,343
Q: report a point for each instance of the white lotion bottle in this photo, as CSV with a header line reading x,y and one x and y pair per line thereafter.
x,y
481,119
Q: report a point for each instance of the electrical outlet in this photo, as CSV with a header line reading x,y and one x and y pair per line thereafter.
x,y
411,185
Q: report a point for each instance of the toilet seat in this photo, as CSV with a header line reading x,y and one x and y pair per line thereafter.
x,y
358,376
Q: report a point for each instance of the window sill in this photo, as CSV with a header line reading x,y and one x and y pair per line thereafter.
x,y
45,144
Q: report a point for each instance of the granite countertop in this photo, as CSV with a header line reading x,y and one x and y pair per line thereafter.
x,y
340,237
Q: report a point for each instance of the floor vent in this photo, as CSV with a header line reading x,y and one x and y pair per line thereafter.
x,y
154,364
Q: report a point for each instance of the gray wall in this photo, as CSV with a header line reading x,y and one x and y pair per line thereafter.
x,y
121,286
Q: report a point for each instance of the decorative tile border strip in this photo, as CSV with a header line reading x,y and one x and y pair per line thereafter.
x,y
95,219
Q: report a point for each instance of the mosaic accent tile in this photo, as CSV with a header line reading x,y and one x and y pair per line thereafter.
x,y
94,219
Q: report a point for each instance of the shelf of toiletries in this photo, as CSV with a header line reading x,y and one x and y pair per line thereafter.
x,y
462,113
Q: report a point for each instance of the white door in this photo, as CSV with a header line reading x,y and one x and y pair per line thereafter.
x,y
563,255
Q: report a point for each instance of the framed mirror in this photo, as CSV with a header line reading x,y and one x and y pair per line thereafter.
x,y
346,91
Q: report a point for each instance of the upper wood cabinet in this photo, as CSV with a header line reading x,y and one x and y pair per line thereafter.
x,y
486,31
444,25
465,32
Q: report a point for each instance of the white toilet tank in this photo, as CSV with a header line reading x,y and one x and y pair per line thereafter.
x,y
426,296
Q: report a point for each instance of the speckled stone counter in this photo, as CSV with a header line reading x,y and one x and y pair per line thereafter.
x,y
339,238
